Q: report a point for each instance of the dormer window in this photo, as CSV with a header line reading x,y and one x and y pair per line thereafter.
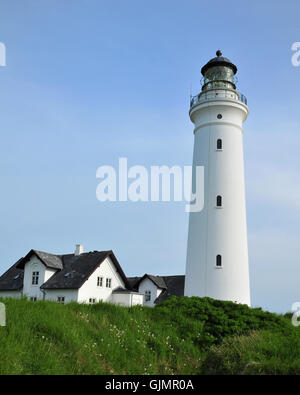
x,y
35,278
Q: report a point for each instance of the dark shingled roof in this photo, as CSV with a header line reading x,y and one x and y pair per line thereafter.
x,y
50,260
72,270
78,268
133,281
157,280
12,279
175,287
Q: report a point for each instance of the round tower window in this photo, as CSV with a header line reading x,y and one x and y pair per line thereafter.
x,y
219,116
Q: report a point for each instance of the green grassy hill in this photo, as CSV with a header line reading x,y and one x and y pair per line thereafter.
x,y
180,336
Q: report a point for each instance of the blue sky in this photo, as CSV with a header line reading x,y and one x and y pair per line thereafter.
x,y
90,81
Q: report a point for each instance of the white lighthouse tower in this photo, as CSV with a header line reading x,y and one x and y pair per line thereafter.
x,y
217,252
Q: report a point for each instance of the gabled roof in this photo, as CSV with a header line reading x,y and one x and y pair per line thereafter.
x,y
157,280
78,268
12,279
49,260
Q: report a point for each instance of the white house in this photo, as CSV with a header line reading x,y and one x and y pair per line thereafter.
x,y
157,288
81,277
85,278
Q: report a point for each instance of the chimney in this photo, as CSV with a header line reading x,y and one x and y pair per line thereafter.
x,y
79,249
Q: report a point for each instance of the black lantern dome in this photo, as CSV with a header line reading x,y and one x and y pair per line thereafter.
x,y
219,72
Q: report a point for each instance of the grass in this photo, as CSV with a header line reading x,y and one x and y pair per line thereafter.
x,y
262,352
181,336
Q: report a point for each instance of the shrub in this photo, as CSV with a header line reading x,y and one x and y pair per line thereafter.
x,y
221,319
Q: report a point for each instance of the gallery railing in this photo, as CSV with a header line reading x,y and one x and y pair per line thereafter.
x,y
217,94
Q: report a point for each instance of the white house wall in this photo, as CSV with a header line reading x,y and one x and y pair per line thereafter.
x,y
127,299
137,299
10,294
122,299
90,289
70,295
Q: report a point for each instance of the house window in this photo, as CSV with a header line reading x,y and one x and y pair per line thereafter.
x,y
147,296
219,261
35,278
219,144
92,300
108,283
99,281
33,298
61,299
219,201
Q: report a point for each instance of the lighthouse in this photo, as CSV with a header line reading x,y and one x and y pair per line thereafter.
x,y
217,251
